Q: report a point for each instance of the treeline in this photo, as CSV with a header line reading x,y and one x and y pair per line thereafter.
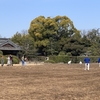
x,y
57,36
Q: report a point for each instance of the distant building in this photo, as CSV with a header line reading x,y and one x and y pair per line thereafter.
x,y
9,47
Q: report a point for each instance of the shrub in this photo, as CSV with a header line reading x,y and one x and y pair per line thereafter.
x,y
61,58
49,61
62,53
1,53
74,59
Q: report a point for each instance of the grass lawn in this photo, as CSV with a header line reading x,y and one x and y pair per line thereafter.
x,y
50,82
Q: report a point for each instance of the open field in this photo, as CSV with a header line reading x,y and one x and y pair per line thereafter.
x,y
50,82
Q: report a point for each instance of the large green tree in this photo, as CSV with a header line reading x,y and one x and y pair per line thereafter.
x,y
50,34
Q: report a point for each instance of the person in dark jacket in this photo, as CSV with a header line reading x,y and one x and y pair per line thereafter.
x,y
99,61
87,63
11,60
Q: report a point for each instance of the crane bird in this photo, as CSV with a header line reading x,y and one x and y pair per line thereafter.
x,y
80,62
69,62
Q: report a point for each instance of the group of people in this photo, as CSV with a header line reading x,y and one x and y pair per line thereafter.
x,y
24,59
9,60
87,62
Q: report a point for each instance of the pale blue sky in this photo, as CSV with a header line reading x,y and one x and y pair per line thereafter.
x,y
16,15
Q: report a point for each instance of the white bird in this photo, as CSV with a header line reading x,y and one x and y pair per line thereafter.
x,y
69,62
80,62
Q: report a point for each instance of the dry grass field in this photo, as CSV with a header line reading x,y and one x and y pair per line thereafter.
x,y
50,82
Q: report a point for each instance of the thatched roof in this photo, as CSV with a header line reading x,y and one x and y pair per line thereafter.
x,y
7,44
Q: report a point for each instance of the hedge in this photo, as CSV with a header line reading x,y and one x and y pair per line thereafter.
x,y
74,59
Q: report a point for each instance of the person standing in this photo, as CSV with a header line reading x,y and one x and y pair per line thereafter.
x,y
99,61
23,62
2,60
8,61
87,63
11,60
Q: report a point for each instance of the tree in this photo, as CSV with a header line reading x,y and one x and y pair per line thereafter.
x,y
93,36
74,46
49,32
26,42
17,38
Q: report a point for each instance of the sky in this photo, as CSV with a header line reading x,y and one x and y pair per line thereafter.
x,y
16,15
